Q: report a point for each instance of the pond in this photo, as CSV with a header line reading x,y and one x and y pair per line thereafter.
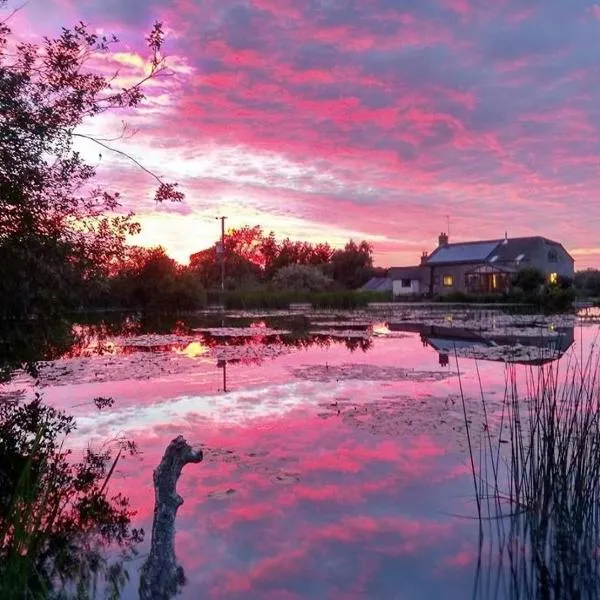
x,y
336,457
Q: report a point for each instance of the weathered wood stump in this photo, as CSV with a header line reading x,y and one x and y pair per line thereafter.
x,y
161,576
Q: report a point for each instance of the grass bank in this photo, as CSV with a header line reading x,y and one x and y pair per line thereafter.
x,y
282,300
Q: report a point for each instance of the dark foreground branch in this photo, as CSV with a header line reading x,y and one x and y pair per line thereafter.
x,y
161,576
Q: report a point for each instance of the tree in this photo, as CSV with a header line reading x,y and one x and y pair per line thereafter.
x,y
302,278
352,267
588,282
55,232
151,280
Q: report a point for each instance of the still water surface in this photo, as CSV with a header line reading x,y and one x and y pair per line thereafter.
x,y
336,461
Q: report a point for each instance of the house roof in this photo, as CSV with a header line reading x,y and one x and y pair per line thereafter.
x,y
462,252
509,250
378,284
413,273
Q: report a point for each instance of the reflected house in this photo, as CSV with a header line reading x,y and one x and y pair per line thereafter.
x,y
491,345
481,267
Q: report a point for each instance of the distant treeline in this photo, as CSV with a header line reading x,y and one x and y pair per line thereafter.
x,y
587,283
259,271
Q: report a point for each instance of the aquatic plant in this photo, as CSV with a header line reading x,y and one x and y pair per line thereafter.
x,y
536,473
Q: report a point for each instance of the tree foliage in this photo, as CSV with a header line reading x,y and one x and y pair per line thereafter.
x,y
353,266
302,278
253,257
587,282
528,279
58,231
148,279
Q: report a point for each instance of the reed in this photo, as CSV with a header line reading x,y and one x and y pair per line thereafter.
x,y
537,483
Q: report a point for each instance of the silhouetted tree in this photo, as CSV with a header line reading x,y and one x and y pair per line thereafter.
x,y
352,267
151,280
588,282
55,228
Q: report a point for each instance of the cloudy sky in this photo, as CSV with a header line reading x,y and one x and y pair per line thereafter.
x,y
371,119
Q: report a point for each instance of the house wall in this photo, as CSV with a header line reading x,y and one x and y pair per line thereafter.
x,y
458,273
398,290
564,264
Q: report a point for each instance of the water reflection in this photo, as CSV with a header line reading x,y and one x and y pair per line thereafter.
x,y
326,487
540,347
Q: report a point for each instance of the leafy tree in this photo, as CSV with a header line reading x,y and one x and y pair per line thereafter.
x,y
352,267
302,278
151,280
55,230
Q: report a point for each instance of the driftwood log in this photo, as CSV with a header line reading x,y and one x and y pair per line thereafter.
x,y
161,577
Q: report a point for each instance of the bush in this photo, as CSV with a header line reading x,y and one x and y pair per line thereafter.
x,y
555,298
529,279
302,278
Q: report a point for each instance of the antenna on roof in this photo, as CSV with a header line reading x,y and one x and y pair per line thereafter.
x,y
448,225
506,235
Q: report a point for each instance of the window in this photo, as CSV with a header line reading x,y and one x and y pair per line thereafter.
x,y
405,283
448,280
552,256
553,278
494,281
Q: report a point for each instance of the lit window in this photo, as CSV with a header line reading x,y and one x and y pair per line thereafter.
x,y
494,281
553,278
448,280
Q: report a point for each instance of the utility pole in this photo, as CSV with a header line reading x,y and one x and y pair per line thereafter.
x,y
222,253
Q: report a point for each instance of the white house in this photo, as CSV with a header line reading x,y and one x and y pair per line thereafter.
x,y
406,281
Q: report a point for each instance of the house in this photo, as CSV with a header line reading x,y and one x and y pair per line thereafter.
x,y
407,281
484,267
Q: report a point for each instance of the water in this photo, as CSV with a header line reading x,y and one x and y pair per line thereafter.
x,y
336,463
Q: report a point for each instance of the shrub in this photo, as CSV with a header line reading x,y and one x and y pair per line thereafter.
x,y
528,279
302,278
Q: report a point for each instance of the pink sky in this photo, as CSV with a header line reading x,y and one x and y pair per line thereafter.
x,y
371,119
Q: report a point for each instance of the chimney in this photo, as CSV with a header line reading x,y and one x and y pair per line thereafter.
x,y
443,240
424,257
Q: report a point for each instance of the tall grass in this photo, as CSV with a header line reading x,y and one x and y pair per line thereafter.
x,y
536,474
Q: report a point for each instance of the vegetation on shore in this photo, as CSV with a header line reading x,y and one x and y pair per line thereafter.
x,y
536,473
528,286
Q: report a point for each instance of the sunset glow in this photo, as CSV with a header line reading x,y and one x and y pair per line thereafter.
x,y
371,119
